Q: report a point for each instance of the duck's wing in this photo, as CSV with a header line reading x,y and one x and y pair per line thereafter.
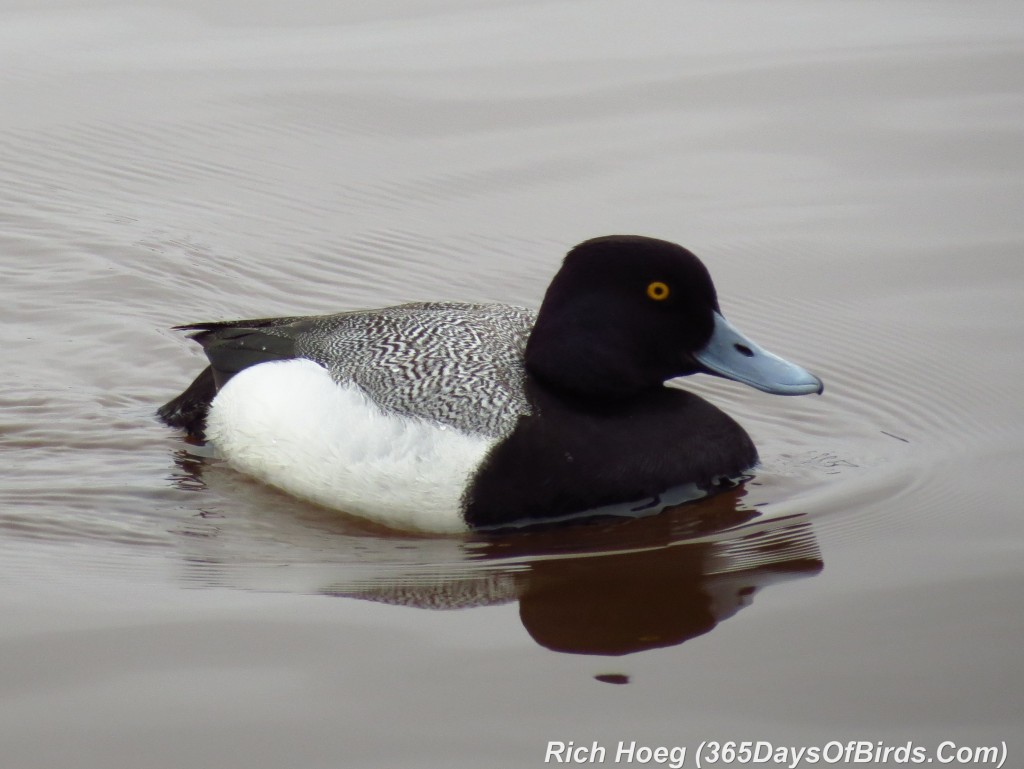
x,y
458,364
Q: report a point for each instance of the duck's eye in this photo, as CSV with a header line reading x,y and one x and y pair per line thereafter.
x,y
657,291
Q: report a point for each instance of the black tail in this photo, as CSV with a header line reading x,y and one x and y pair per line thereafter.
x,y
230,346
188,410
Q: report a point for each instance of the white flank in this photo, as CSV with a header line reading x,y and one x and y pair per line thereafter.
x,y
289,424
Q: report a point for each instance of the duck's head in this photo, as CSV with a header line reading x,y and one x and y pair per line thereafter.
x,y
626,313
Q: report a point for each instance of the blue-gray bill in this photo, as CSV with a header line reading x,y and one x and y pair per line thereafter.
x,y
731,355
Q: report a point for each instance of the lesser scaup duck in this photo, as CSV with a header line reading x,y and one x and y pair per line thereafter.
x,y
447,416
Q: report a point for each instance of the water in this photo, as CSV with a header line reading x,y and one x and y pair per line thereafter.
x,y
850,172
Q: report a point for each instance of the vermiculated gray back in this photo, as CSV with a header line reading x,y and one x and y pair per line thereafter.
x,y
459,364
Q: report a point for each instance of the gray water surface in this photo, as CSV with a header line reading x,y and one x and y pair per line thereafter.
x,y
850,172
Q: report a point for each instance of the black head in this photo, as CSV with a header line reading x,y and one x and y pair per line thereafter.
x,y
623,315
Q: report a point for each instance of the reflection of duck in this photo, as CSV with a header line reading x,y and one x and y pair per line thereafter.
x,y
439,416
613,586
619,587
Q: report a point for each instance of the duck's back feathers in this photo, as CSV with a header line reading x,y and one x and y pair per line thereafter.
x,y
457,364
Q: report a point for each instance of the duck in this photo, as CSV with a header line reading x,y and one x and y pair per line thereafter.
x,y
450,417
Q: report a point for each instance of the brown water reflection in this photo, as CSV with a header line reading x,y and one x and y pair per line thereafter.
x,y
626,586
620,604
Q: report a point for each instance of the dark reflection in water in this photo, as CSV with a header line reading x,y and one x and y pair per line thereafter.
x,y
612,586
634,585
619,604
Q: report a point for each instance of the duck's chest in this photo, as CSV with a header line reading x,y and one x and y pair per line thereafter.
x,y
563,458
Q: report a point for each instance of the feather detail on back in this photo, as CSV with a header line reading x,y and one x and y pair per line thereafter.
x,y
458,364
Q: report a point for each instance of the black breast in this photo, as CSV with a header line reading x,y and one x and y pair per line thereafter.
x,y
570,456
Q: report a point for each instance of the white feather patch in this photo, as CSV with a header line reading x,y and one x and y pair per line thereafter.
x,y
289,424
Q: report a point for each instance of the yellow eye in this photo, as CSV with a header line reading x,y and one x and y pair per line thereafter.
x,y
658,291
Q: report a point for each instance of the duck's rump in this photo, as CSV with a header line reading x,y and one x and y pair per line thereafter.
x,y
230,346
